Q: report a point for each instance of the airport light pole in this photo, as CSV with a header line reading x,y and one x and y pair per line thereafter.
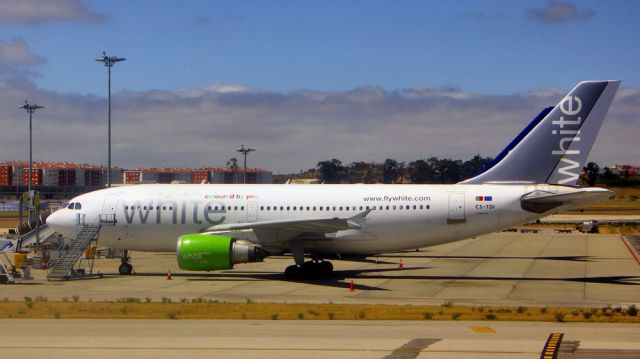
x,y
32,213
245,152
109,61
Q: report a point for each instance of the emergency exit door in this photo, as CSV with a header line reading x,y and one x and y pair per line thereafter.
x,y
252,211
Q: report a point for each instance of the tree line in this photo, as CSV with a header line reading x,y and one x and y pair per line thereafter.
x,y
436,170
431,170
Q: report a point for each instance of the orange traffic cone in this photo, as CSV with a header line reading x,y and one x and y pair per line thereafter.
x,y
169,275
401,265
352,287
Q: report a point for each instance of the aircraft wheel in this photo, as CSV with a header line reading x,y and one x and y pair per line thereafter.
x,y
125,269
309,270
326,268
312,270
292,272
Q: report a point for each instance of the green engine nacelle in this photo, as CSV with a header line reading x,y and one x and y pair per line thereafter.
x,y
207,252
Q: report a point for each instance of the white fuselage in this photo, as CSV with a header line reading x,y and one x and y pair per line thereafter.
x,y
152,217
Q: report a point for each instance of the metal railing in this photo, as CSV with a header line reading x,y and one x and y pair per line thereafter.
x,y
69,252
107,219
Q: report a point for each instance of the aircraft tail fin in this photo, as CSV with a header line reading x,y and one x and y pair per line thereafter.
x,y
553,149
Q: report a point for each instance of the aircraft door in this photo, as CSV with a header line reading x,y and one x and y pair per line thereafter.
x,y
456,208
252,211
109,206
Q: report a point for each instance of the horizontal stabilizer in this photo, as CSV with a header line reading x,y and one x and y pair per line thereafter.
x,y
542,201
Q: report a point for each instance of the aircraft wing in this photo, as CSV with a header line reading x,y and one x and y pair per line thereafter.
x,y
306,225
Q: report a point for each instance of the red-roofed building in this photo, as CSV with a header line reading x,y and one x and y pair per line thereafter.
x,y
191,175
71,175
54,174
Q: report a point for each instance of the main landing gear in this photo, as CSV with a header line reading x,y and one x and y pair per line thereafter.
x,y
309,270
125,267
315,268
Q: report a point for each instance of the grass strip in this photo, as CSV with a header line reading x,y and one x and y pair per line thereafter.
x,y
198,308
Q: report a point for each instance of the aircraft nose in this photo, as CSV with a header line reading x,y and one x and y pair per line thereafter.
x,y
53,220
56,221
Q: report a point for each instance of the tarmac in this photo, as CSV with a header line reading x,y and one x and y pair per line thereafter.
x,y
50,338
510,269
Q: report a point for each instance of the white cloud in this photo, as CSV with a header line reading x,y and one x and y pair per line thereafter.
x,y
42,11
16,57
291,131
17,53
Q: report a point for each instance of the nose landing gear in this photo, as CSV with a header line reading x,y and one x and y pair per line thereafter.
x,y
125,267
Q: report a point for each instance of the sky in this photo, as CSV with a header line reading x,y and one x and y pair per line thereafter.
x,y
306,81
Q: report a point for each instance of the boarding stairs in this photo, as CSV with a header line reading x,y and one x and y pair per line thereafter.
x,y
70,252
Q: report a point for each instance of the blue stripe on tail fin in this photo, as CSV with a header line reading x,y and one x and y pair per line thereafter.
x,y
518,138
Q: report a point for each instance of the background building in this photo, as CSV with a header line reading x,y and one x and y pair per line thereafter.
x,y
625,170
53,178
64,179
54,174
157,175
199,175
235,175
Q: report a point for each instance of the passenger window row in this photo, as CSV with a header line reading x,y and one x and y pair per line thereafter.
x,y
344,208
221,208
164,208
288,208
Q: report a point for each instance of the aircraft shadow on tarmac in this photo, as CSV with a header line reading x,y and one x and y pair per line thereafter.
x,y
338,279
551,258
343,275
620,280
342,278
380,259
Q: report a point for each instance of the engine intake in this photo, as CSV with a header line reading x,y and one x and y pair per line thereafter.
x,y
205,252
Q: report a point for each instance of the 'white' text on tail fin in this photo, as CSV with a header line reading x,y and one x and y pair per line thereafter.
x,y
569,128
566,170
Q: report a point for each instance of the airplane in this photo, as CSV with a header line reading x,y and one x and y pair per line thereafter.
x,y
214,227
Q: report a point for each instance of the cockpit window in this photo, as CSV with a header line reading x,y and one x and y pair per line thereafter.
x,y
74,205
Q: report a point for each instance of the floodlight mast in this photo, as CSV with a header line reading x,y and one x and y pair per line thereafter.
x,y
245,152
33,213
109,61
